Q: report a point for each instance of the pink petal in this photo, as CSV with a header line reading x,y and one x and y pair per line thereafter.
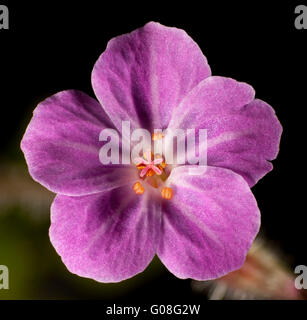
x,y
209,224
142,76
109,236
61,146
243,133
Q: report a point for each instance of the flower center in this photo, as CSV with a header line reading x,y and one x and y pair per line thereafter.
x,y
154,171
150,165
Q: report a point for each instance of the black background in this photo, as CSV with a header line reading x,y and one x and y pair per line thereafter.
x,y
52,46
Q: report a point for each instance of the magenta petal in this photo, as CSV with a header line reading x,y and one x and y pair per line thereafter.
x,y
61,146
209,224
109,236
143,75
243,133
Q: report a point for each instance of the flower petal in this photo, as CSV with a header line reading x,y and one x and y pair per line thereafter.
x,y
109,236
61,146
209,224
143,75
243,133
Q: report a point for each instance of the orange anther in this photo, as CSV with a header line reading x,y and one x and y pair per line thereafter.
x,y
150,173
167,193
157,136
141,166
138,188
162,165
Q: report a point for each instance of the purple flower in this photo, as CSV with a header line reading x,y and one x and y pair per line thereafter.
x,y
107,223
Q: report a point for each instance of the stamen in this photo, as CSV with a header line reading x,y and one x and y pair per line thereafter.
x,y
138,188
150,173
167,193
157,136
154,171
